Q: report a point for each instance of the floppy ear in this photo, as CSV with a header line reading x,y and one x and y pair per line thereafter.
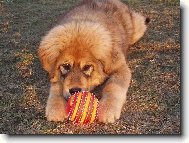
x,y
44,59
48,52
48,62
139,26
50,48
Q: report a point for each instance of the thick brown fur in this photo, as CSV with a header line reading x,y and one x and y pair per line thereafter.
x,y
88,48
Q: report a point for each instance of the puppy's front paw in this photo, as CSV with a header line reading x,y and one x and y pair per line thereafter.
x,y
56,112
108,113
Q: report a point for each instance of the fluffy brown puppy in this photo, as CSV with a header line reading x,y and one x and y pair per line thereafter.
x,y
88,48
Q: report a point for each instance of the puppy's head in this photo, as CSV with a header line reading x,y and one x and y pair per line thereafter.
x,y
76,55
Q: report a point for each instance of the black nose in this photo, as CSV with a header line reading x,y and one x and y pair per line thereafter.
x,y
74,90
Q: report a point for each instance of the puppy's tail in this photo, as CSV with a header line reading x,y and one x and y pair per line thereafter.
x,y
139,26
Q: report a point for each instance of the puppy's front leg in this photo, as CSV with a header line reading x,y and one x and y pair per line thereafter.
x,y
56,104
114,95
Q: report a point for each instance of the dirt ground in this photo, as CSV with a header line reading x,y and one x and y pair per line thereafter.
x,y
154,97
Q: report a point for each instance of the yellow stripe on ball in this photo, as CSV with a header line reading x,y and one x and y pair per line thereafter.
x,y
94,111
86,108
76,107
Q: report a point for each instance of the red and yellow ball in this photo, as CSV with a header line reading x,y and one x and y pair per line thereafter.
x,y
82,108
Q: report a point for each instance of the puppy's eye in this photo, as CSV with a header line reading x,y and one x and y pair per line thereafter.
x,y
65,68
87,69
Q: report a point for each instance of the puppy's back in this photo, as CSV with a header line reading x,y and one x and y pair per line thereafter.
x,y
125,25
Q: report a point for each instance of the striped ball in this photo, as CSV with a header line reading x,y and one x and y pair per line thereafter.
x,y
82,108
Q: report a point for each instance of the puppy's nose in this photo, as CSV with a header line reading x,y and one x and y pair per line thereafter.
x,y
74,90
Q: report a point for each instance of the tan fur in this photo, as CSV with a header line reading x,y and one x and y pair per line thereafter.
x,y
138,26
97,33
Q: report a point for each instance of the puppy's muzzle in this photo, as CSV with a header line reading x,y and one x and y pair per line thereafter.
x,y
74,90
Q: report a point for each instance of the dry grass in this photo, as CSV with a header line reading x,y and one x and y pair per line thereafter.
x,y
153,101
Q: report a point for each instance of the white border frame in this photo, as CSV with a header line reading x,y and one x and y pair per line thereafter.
x,y
184,138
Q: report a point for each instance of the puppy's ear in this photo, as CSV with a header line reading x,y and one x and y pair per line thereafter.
x,y
139,26
48,61
51,46
43,59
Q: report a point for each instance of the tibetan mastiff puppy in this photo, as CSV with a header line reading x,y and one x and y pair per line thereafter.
x,y
87,49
